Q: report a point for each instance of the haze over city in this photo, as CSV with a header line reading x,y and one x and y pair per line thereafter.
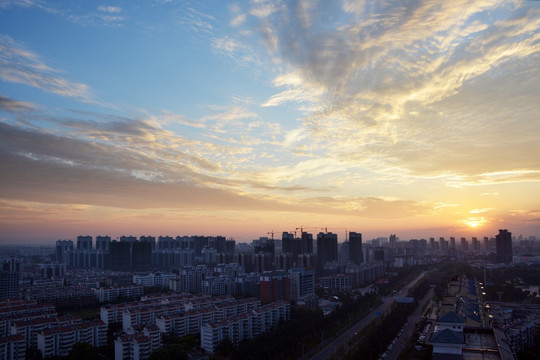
x,y
417,118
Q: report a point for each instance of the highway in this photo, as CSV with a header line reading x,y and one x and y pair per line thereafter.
x,y
408,331
345,338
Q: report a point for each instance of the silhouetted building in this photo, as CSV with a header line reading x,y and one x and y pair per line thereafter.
x,y
306,246
355,248
326,250
102,242
475,244
63,251
84,242
393,240
9,278
504,246
131,255
230,246
291,245
464,244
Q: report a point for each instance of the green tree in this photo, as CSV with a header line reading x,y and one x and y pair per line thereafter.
x,y
83,351
225,347
33,354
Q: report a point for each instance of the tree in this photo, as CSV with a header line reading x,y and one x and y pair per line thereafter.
x,y
169,352
33,354
225,347
83,351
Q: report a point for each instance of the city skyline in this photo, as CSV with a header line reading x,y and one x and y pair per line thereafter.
x,y
242,118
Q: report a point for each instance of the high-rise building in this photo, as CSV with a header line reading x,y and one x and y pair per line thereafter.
x,y
504,246
393,241
452,242
9,278
344,253
464,244
84,242
275,286
326,250
355,248
306,246
302,282
475,244
63,251
131,255
103,242
486,243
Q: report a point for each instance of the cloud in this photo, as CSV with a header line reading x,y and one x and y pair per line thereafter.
x,y
110,9
120,164
433,88
19,65
503,177
227,46
15,106
197,21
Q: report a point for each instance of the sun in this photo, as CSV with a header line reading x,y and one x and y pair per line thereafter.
x,y
474,222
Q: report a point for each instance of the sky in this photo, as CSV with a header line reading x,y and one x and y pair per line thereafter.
x,y
408,117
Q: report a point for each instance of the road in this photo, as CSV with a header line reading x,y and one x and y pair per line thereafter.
x,y
345,338
408,331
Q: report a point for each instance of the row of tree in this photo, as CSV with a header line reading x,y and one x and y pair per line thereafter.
x,y
306,330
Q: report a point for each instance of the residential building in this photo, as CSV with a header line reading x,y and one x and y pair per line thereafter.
x,y
12,347
504,246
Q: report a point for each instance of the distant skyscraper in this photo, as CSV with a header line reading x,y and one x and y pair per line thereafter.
x,y
452,242
103,242
475,244
355,248
344,253
464,244
130,255
486,243
306,246
326,249
63,251
504,246
393,240
84,242
9,279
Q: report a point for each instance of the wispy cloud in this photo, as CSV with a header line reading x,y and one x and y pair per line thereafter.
x,y
14,106
19,65
197,21
411,85
110,9
502,177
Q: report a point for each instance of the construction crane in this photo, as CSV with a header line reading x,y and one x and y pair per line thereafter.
x,y
302,228
271,232
337,228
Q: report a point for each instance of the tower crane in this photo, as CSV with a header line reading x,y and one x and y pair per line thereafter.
x,y
337,228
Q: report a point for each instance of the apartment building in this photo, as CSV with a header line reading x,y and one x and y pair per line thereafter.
x,y
243,326
59,341
12,347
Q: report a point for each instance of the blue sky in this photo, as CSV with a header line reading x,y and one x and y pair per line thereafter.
x,y
237,118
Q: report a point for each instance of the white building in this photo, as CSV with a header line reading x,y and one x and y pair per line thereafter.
x,y
59,341
243,326
113,293
153,279
12,347
137,346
